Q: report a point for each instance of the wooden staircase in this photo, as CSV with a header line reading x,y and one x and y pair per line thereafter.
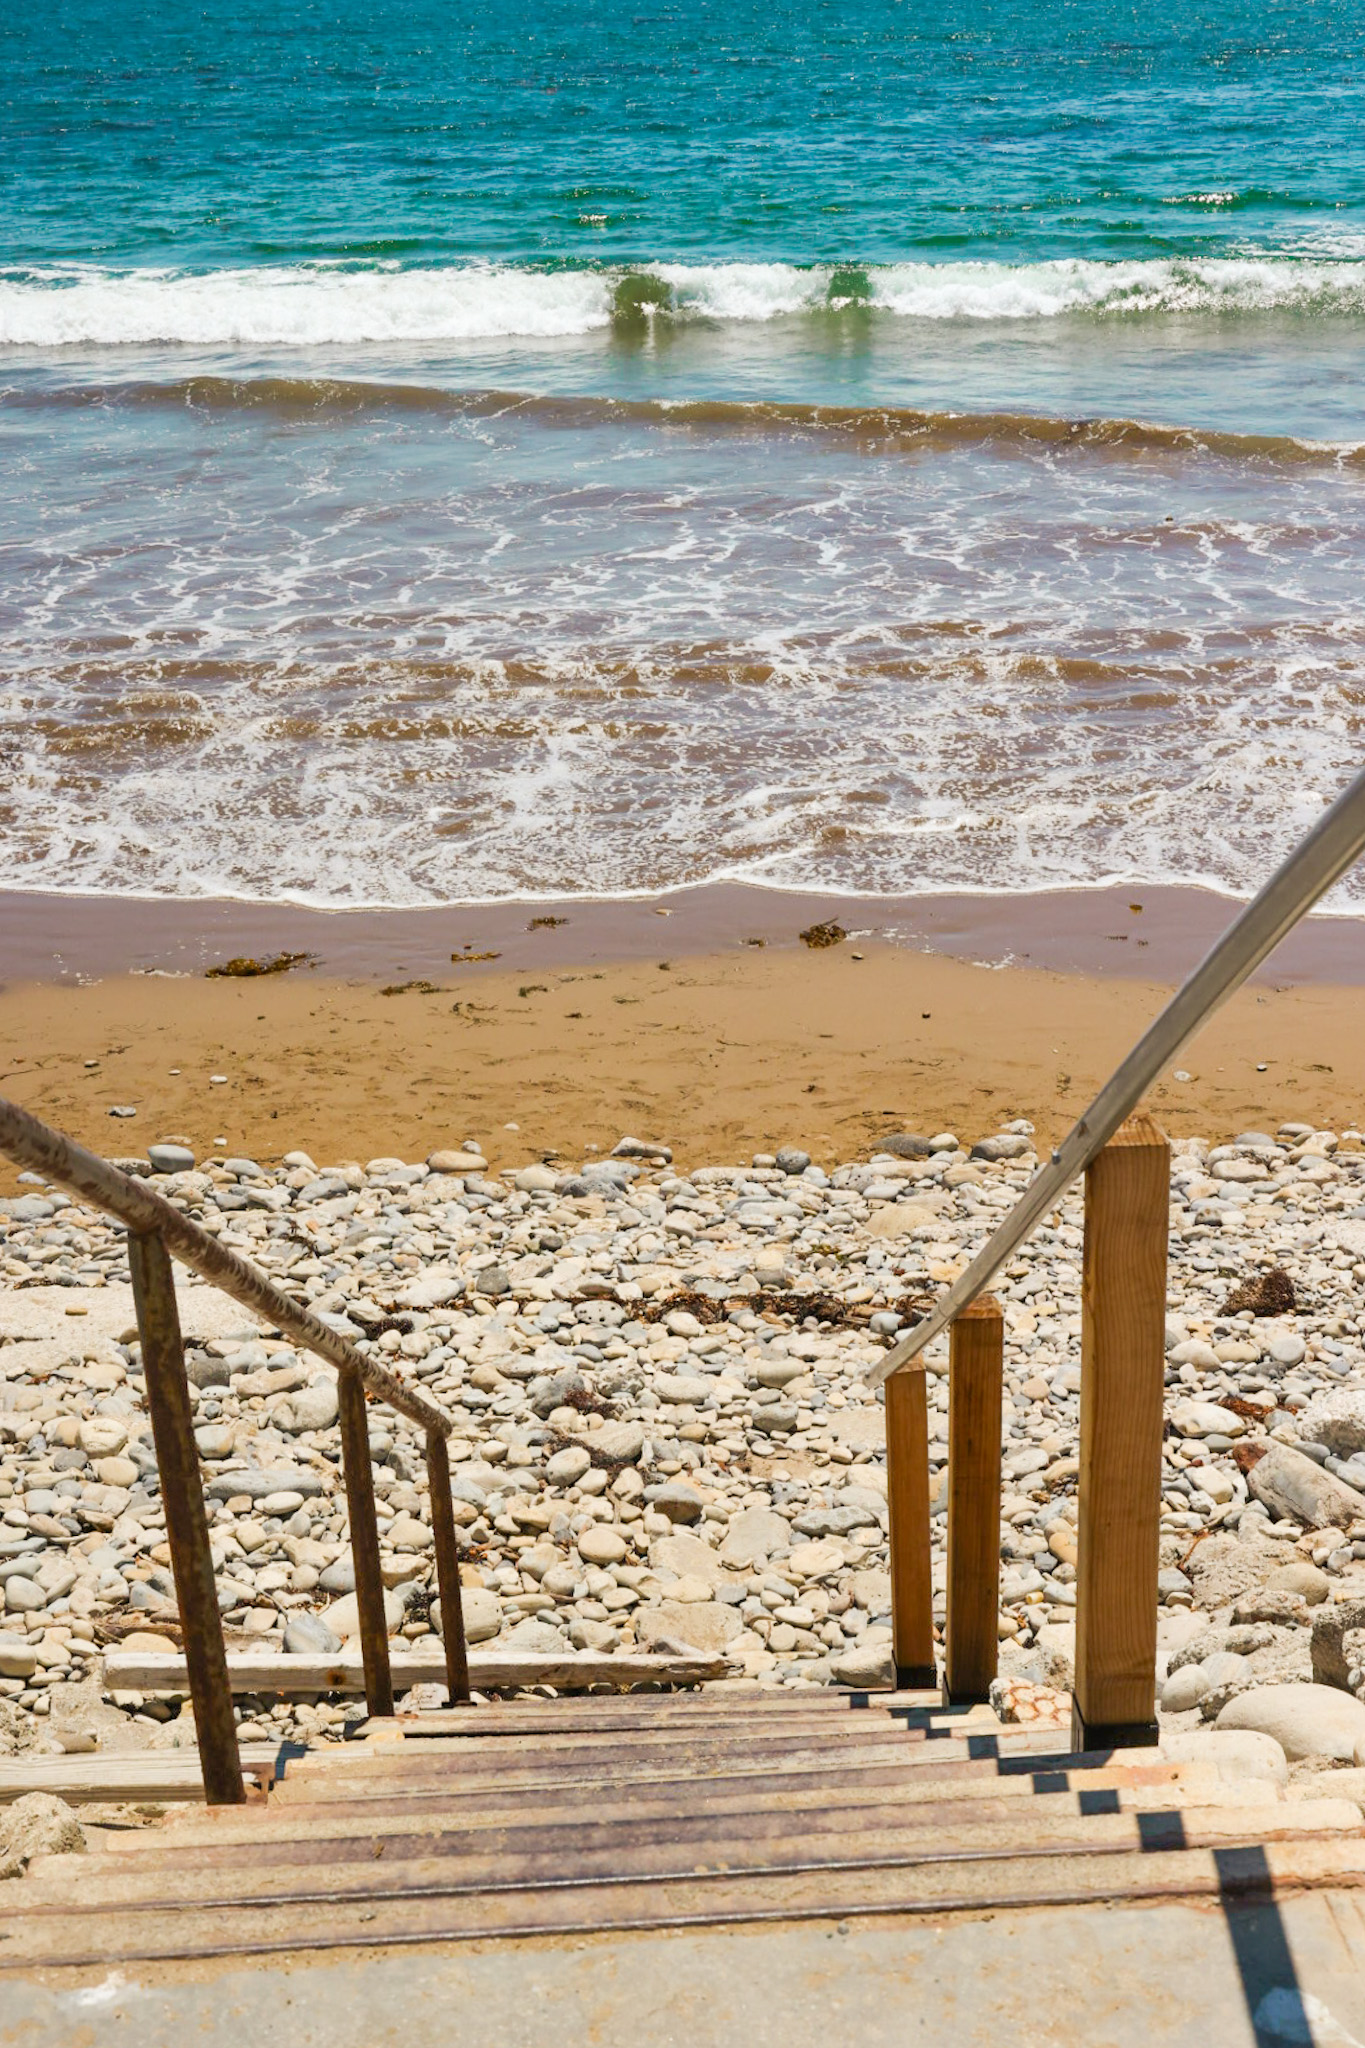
x,y
522,1821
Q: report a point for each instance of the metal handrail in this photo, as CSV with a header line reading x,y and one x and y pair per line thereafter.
x,y
157,1229
1321,858
58,1158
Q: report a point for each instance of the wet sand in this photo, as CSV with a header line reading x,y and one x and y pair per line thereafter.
x,y
716,1047
1150,934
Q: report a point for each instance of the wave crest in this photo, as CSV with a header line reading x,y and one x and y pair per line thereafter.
x,y
325,304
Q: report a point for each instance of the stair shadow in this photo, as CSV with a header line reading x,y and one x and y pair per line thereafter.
x,y
1279,2014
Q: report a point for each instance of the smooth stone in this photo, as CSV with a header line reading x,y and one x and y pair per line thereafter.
x,y
898,1219
457,1162
343,1616
482,1612
431,1290
116,1472
790,1160
308,1635
753,1535
103,1436
1194,1351
615,1443
601,1544
1003,1147
1184,1689
675,1500
1225,1667
171,1158
686,1557
1206,1418
681,1390
699,1624
1305,1719
867,1666
313,1407
339,1576
18,1658
216,1440
840,1521
779,1371
257,1484
1303,1578
566,1468
534,1638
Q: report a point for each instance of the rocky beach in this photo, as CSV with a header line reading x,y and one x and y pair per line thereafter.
x,y
664,1435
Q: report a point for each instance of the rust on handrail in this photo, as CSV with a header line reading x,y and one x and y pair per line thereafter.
x,y
42,1150
369,1577
187,1534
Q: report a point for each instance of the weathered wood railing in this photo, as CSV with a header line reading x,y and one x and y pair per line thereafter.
x,y
157,1230
1123,1360
1126,1163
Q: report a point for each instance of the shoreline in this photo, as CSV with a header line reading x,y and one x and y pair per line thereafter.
x,y
1151,934
718,1055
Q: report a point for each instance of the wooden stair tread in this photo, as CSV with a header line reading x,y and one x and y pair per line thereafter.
x,y
106,1938
472,1870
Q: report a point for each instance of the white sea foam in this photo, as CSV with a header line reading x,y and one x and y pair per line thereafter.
x,y
317,305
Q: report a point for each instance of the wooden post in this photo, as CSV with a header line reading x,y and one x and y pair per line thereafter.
x,y
447,1568
369,1581
187,1528
907,1498
975,1386
1123,1314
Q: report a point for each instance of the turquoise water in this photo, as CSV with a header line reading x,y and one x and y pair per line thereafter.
x,y
737,131
450,457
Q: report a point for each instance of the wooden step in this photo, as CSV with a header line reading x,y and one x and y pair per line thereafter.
x,y
456,1867
661,1709
107,1938
432,1764
201,1831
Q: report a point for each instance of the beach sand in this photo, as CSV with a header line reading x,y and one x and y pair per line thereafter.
x,y
717,1053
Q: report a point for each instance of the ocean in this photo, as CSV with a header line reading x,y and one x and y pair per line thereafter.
x,y
458,455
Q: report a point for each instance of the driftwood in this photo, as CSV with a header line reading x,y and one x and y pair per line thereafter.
x,y
282,1676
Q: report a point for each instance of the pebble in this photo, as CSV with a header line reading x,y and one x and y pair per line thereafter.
x,y
732,1486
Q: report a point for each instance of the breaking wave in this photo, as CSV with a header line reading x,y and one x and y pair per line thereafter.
x,y
313,305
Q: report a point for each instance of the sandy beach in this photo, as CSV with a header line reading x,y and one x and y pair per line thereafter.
x,y
676,1028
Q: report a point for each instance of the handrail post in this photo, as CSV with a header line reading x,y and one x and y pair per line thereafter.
x,y
907,1500
447,1550
187,1529
369,1578
1123,1313
975,1389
